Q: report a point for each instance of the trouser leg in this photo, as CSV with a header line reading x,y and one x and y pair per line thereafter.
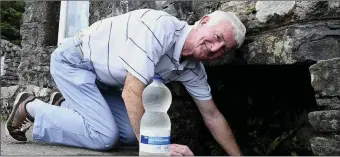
x,y
118,109
87,120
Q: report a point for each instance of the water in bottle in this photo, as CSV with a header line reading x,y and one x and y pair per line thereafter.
x,y
155,125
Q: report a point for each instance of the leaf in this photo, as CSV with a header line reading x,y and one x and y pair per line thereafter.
x,y
272,146
293,153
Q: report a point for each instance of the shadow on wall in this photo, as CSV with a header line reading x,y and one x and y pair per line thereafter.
x,y
266,106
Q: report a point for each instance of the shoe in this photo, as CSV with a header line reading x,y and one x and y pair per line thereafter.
x,y
20,120
56,99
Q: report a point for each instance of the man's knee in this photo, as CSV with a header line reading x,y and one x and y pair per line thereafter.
x,y
106,142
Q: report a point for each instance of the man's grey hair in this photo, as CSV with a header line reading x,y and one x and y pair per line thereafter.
x,y
239,28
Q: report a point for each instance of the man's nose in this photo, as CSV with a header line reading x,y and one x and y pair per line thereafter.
x,y
217,46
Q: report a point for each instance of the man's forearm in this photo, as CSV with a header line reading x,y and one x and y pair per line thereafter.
x,y
222,133
218,126
132,96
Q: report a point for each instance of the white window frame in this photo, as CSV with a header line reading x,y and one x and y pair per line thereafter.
x,y
68,14
62,21
3,65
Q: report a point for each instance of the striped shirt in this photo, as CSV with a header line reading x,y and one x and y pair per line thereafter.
x,y
144,43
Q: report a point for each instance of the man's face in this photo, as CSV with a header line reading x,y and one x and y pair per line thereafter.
x,y
212,41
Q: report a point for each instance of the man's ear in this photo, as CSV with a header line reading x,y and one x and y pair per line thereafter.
x,y
204,20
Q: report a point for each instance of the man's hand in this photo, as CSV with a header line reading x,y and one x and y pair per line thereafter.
x,y
132,96
180,150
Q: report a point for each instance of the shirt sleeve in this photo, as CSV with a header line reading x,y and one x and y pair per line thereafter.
x,y
196,82
146,43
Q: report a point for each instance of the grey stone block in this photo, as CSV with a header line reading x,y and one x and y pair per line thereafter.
x,y
325,121
326,76
267,9
323,146
329,104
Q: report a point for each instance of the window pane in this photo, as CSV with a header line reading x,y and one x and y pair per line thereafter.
x,y
77,17
3,71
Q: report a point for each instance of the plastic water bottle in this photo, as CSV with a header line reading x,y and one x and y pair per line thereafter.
x,y
155,125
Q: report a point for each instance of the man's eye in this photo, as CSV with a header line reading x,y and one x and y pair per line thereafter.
x,y
217,37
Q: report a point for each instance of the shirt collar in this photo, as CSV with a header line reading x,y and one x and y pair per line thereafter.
x,y
180,42
190,64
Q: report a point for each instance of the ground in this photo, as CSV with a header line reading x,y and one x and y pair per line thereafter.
x,y
34,148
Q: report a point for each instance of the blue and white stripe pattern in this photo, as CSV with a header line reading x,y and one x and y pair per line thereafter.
x,y
145,43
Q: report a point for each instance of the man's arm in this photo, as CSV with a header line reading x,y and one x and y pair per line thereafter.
x,y
132,96
218,126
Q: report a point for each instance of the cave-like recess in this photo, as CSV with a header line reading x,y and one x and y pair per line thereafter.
x,y
266,106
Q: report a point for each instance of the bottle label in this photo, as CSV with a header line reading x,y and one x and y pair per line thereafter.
x,y
155,140
152,143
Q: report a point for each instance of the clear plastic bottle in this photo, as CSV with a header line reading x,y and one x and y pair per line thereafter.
x,y
155,125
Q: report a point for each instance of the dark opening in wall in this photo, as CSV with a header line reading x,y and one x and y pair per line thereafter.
x,y
266,106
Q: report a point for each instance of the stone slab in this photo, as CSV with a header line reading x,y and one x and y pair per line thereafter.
x,y
323,146
325,121
267,9
8,92
38,91
329,103
325,76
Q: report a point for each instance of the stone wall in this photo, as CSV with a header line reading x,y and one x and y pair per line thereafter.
x,y
10,71
39,33
326,82
10,60
9,93
28,67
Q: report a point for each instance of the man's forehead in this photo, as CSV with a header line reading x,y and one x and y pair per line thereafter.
x,y
226,28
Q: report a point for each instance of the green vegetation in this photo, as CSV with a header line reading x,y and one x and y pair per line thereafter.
x,y
11,19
